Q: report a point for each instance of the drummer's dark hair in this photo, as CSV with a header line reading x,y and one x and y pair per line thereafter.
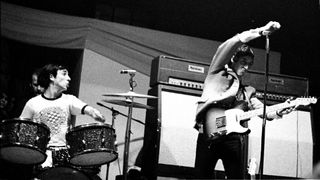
x,y
46,71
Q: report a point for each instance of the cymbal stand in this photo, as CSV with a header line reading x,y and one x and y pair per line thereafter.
x,y
114,114
128,130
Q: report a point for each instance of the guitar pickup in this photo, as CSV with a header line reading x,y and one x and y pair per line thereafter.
x,y
221,122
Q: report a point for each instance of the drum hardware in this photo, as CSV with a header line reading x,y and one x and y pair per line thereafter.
x,y
132,140
129,102
115,111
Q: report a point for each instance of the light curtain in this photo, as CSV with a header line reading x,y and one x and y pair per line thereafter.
x,y
131,46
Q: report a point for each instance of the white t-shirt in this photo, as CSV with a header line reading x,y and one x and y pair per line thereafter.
x,y
55,113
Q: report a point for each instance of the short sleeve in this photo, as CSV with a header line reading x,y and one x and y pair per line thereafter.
x,y
27,111
76,105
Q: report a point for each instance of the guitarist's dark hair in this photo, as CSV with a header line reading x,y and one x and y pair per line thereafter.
x,y
243,50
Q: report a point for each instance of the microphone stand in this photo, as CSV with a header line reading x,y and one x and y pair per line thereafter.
x,y
128,131
267,47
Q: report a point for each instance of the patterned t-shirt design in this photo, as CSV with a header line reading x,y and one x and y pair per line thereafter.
x,y
54,118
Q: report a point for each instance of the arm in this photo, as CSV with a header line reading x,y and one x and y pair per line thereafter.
x,y
225,51
77,106
94,113
256,104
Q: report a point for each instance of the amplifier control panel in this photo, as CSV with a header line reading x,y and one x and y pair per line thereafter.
x,y
185,83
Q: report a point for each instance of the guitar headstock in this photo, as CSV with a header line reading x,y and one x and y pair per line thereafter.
x,y
305,101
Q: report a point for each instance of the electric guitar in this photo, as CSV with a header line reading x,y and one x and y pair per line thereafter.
x,y
221,122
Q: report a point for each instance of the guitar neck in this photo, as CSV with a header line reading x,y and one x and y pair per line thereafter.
x,y
259,112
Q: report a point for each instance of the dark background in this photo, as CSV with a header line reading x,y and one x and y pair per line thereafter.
x,y
297,40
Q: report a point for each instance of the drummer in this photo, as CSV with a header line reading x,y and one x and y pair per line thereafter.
x,y
53,107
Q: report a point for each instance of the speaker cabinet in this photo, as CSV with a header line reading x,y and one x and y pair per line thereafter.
x,y
170,139
288,145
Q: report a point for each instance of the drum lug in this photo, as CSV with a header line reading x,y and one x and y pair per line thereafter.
x,y
37,139
83,141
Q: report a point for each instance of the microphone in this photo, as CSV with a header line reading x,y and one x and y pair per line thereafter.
x,y
272,28
128,71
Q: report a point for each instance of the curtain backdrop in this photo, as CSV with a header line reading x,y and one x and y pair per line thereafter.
x,y
132,46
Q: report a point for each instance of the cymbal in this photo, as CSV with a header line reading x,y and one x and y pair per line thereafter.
x,y
129,94
127,103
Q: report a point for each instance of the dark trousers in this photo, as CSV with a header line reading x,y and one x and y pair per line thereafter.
x,y
230,149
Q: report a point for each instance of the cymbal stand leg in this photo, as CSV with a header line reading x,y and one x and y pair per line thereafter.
x,y
107,173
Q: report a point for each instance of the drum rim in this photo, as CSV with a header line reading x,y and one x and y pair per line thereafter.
x,y
88,125
43,173
27,120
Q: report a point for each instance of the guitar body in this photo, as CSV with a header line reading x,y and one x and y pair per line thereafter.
x,y
221,122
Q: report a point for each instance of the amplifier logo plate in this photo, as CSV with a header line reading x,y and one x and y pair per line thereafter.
x,y
278,81
197,69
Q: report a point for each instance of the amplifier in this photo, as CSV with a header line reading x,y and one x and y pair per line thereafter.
x,y
191,74
279,84
178,71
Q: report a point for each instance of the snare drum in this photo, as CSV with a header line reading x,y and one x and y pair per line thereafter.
x,y
91,144
23,141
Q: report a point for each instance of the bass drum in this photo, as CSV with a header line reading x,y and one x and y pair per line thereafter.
x,y
23,141
63,173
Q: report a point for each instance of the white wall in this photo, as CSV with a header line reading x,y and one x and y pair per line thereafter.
x,y
101,75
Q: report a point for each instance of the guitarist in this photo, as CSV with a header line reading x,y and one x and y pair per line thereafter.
x,y
223,89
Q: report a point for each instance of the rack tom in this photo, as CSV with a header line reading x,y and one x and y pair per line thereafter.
x,y
91,144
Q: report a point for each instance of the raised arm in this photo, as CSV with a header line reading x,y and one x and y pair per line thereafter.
x,y
225,51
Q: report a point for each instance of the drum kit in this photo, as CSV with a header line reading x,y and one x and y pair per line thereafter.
x,y
23,141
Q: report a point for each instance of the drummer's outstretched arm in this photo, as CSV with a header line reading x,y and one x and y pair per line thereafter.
x,y
94,113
